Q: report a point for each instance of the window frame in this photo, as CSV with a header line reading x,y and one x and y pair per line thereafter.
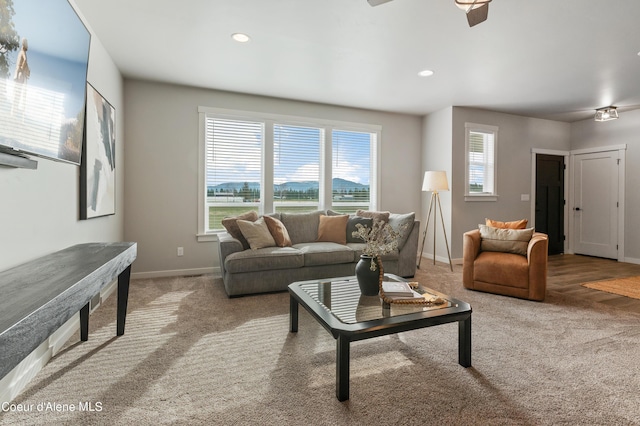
x,y
487,129
266,202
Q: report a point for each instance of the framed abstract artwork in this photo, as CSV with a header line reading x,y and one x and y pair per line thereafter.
x,y
98,167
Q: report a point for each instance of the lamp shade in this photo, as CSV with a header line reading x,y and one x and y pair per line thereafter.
x,y
435,181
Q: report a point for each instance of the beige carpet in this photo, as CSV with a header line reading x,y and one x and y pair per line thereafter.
x,y
629,286
190,355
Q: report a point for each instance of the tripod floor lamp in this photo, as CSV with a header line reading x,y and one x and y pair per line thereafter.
x,y
435,181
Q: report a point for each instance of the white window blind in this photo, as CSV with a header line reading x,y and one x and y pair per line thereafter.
x,y
296,166
233,149
276,163
481,160
351,169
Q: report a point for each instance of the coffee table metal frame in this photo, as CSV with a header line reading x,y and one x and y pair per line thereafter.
x,y
344,333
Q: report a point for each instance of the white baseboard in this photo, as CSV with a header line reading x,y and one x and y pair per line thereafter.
x,y
429,256
632,260
176,273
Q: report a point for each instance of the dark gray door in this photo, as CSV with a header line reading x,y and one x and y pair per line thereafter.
x,y
550,199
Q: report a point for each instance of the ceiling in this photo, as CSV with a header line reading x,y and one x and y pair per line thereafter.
x,y
553,59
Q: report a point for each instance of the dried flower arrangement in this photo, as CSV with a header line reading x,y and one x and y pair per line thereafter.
x,y
379,239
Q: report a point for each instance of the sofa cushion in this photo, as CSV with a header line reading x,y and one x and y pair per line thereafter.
x,y
325,253
257,233
403,224
333,229
505,269
302,227
505,240
230,223
516,224
278,231
264,259
351,227
383,216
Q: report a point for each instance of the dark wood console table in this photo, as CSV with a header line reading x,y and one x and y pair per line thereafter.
x,y
38,297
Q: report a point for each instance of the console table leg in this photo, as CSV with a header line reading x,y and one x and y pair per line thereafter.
x,y
123,298
342,368
464,342
84,323
293,314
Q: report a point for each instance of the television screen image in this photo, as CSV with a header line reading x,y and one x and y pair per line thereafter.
x,y
44,53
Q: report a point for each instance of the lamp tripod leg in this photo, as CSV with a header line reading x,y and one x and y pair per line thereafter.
x,y
444,231
426,227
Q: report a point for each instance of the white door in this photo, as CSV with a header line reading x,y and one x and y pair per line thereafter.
x,y
595,177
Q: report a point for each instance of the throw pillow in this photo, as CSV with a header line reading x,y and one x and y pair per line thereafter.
x,y
278,231
231,225
257,233
351,227
383,216
505,240
333,229
403,224
516,224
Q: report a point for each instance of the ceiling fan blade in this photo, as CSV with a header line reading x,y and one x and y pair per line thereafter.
x,y
478,15
377,2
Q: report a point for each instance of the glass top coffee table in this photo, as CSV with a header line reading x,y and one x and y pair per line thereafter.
x,y
338,305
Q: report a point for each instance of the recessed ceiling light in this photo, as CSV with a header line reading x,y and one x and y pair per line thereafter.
x,y
425,73
240,37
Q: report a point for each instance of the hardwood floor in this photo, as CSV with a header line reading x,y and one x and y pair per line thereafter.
x,y
567,271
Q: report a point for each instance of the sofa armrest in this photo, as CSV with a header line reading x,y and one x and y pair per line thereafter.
x,y
537,255
409,253
470,250
226,246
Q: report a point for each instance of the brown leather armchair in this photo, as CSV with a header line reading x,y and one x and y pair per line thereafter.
x,y
506,273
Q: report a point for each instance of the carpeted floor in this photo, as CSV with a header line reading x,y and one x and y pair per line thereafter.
x,y
629,286
190,355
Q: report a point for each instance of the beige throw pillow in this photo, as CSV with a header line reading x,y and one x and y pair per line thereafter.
x,y
505,240
257,233
382,216
231,225
278,231
333,229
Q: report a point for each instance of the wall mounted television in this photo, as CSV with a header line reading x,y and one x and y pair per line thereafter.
x,y
44,56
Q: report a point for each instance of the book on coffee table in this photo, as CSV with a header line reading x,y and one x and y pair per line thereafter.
x,y
397,289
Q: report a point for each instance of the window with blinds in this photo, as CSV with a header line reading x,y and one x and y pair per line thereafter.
x,y
481,160
296,167
271,163
233,167
351,169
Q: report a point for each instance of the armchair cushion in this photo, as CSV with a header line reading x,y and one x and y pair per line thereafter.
x,y
516,224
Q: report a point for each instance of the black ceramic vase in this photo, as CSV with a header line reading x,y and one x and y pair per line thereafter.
x,y
368,280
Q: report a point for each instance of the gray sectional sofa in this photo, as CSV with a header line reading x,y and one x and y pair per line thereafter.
x,y
269,269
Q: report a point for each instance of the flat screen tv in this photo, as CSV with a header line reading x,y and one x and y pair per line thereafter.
x,y
44,54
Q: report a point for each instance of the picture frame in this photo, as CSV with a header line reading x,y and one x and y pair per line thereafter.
x,y
98,166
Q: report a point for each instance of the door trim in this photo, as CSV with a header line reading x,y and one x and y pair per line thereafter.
x,y
621,149
565,154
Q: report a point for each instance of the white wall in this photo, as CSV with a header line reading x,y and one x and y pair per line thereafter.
x,y
39,214
162,166
517,135
437,155
39,209
625,130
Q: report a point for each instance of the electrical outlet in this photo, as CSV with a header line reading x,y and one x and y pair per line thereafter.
x,y
180,251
